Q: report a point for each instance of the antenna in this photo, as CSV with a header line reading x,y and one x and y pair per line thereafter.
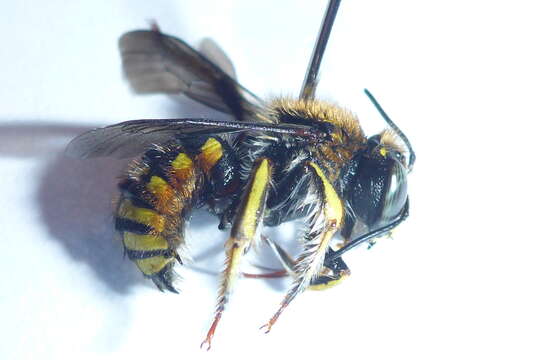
x,y
310,81
412,155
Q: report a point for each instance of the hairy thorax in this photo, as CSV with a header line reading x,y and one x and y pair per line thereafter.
x,y
346,135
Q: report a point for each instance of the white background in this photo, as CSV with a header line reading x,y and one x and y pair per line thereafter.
x,y
460,278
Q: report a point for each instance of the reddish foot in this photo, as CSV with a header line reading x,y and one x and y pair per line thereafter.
x,y
269,324
210,333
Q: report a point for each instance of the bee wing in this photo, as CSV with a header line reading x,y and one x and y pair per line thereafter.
x,y
157,63
130,138
211,50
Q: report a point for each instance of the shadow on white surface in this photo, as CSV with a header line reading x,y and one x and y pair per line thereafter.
x,y
74,198
76,202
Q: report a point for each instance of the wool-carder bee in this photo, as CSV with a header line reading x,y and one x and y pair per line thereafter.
x,y
278,161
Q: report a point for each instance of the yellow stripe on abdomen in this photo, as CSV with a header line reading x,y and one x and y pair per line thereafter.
x,y
148,217
153,265
182,167
211,153
159,187
163,193
144,242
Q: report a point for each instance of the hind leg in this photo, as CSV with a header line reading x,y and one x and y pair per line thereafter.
x,y
244,231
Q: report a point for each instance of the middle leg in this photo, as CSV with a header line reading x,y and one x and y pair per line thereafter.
x,y
331,274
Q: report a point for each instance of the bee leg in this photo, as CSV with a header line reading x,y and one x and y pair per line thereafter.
x,y
324,222
270,275
284,258
331,274
244,230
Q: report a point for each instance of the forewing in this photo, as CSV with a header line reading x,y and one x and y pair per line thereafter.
x,y
131,138
157,63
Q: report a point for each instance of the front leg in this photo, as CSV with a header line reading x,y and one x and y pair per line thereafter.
x,y
326,218
332,272
244,230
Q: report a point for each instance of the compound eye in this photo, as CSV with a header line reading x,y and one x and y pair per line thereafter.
x,y
396,194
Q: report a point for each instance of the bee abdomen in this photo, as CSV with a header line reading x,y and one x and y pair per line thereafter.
x,y
155,197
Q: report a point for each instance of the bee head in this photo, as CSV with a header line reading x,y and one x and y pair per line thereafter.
x,y
374,184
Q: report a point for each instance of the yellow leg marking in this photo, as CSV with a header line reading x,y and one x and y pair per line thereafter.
x,y
211,152
141,215
144,242
242,234
311,260
153,264
333,207
332,283
247,223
